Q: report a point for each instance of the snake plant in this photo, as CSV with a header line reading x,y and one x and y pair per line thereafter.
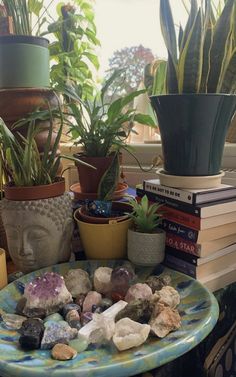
x,y
202,57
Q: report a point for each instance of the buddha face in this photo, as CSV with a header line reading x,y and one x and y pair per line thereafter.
x,y
35,240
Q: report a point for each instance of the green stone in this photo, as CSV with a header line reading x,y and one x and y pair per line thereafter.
x,y
80,343
54,317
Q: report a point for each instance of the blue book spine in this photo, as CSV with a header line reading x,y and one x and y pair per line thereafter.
x,y
180,265
180,230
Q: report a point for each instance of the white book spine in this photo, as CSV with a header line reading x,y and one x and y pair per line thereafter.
x,y
169,192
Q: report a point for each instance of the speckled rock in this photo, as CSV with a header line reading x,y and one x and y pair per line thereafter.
x,y
77,282
57,332
63,352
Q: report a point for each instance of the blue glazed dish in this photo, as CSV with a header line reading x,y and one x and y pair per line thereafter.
x,y
198,309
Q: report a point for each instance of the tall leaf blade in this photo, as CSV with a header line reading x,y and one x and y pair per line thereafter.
x,y
191,59
206,59
221,35
229,80
168,29
191,20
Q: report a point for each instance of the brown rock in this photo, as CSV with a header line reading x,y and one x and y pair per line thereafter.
x,y
63,352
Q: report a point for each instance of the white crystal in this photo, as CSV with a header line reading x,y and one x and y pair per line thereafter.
x,y
129,334
102,279
77,281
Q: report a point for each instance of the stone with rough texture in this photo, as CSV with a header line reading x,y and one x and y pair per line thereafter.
x,y
32,331
121,279
57,332
92,298
165,320
12,321
80,343
102,280
137,310
77,281
104,329
158,282
47,293
63,352
138,291
167,296
38,231
129,334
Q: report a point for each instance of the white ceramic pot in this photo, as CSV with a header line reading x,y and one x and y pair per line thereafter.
x,y
146,249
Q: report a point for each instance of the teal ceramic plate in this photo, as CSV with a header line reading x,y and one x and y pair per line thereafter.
x,y
198,309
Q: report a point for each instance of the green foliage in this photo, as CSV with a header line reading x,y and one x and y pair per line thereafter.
x,y
146,217
155,77
204,59
101,126
108,182
73,50
20,160
23,13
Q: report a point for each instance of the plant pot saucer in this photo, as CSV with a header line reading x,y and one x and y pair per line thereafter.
x,y
118,194
190,182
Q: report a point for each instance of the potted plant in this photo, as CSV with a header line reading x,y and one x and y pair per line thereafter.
x,y
102,127
200,100
146,241
36,211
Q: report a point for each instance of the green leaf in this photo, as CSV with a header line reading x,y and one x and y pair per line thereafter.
x,y
191,59
108,182
229,79
206,59
145,119
189,26
168,29
159,82
222,32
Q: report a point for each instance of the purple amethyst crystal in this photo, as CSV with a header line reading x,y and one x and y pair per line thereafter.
x,y
47,292
121,279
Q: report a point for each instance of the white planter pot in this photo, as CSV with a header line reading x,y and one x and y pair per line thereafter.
x,y
146,249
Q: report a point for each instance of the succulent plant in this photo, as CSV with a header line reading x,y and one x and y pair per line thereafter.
x,y
203,57
146,217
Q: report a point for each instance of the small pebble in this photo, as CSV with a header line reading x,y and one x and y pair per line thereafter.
x,y
80,343
54,317
80,300
72,315
106,303
86,317
63,352
75,324
68,307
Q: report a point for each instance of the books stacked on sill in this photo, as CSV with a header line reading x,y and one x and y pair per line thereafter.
x,y
200,230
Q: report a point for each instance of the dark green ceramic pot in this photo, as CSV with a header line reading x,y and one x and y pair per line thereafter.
x,y
24,62
193,129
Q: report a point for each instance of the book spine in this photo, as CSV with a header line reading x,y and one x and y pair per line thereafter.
x,y
180,265
181,217
189,208
183,245
193,259
179,230
169,192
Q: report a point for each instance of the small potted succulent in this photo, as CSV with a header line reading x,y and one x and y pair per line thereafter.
x,y
146,241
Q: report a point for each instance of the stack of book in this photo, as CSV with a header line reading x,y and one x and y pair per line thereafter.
x,y
200,230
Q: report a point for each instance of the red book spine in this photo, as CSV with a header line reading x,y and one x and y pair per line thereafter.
x,y
179,243
181,217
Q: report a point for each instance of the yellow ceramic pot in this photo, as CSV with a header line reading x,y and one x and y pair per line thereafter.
x,y
104,241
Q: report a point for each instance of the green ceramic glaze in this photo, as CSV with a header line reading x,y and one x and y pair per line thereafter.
x,y
193,129
24,62
198,310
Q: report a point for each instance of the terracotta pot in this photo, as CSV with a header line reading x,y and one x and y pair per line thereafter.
x,y
35,192
16,103
116,206
89,178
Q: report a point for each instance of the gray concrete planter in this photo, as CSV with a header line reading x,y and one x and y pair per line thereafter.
x,y
146,249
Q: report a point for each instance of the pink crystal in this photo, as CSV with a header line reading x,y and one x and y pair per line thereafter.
x,y
121,278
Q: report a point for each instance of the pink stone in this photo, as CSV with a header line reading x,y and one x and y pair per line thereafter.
x,y
92,298
138,291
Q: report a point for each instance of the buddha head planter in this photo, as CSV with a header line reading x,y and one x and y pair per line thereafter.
x,y
39,231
